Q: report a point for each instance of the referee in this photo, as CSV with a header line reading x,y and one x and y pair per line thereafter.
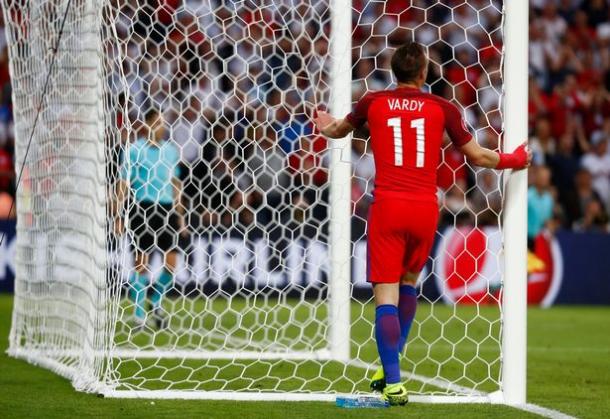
x,y
150,172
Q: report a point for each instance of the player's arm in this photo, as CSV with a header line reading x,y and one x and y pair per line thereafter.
x,y
177,188
121,192
484,157
332,127
118,205
339,128
455,126
121,195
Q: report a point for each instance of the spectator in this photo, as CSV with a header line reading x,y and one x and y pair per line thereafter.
x,y
456,209
188,132
364,167
594,219
596,10
579,195
597,162
564,165
540,201
486,198
306,165
543,143
265,165
7,209
452,168
7,171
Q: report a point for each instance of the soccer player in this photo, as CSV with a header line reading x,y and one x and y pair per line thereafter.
x,y
406,129
150,170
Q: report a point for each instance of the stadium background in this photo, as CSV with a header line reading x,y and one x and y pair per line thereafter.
x,y
569,123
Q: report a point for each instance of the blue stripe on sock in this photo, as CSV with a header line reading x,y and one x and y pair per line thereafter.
x,y
408,290
386,309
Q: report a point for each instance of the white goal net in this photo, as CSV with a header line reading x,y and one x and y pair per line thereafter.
x,y
246,273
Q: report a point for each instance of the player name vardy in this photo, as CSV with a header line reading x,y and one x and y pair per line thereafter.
x,y
405,104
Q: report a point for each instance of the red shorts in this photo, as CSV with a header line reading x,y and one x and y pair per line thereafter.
x,y
400,237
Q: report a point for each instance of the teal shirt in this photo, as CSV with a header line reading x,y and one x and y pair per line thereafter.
x,y
539,211
150,170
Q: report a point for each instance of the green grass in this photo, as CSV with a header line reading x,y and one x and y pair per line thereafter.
x,y
458,343
568,370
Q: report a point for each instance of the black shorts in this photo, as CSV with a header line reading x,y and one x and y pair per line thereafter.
x,y
153,227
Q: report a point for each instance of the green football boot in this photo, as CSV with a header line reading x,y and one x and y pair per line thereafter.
x,y
378,381
396,394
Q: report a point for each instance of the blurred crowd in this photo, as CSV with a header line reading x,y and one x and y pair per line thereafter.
x,y
237,84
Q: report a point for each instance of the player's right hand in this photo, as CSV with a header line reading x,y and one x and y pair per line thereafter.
x,y
322,119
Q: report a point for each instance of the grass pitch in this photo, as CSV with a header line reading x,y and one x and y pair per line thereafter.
x,y
568,370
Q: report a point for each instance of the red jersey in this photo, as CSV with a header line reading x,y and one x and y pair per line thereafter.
x,y
407,127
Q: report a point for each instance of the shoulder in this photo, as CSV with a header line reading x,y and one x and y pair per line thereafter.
x,y
531,192
370,96
587,159
447,105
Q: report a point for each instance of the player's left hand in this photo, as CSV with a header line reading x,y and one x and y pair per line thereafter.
x,y
529,156
523,153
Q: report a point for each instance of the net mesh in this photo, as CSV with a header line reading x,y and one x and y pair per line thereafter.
x,y
245,306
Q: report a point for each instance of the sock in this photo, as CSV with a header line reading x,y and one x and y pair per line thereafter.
x,y
407,305
137,293
387,334
160,287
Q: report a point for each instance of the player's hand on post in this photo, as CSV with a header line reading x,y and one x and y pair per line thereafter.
x,y
520,158
529,155
524,155
322,119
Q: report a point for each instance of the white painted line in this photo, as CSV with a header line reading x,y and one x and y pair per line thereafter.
x,y
470,395
436,382
542,411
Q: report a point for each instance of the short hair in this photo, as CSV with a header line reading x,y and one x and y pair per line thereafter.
x,y
150,114
408,61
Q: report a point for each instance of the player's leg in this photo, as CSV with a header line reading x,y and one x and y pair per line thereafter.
x,y
139,279
385,250
161,286
387,329
167,242
166,277
387,335
138,285
407,306
422,229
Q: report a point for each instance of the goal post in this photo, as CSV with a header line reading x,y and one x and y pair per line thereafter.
x,y
267,298
514,336
340,178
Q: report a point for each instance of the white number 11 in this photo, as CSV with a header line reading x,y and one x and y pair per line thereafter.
x,y
420,136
